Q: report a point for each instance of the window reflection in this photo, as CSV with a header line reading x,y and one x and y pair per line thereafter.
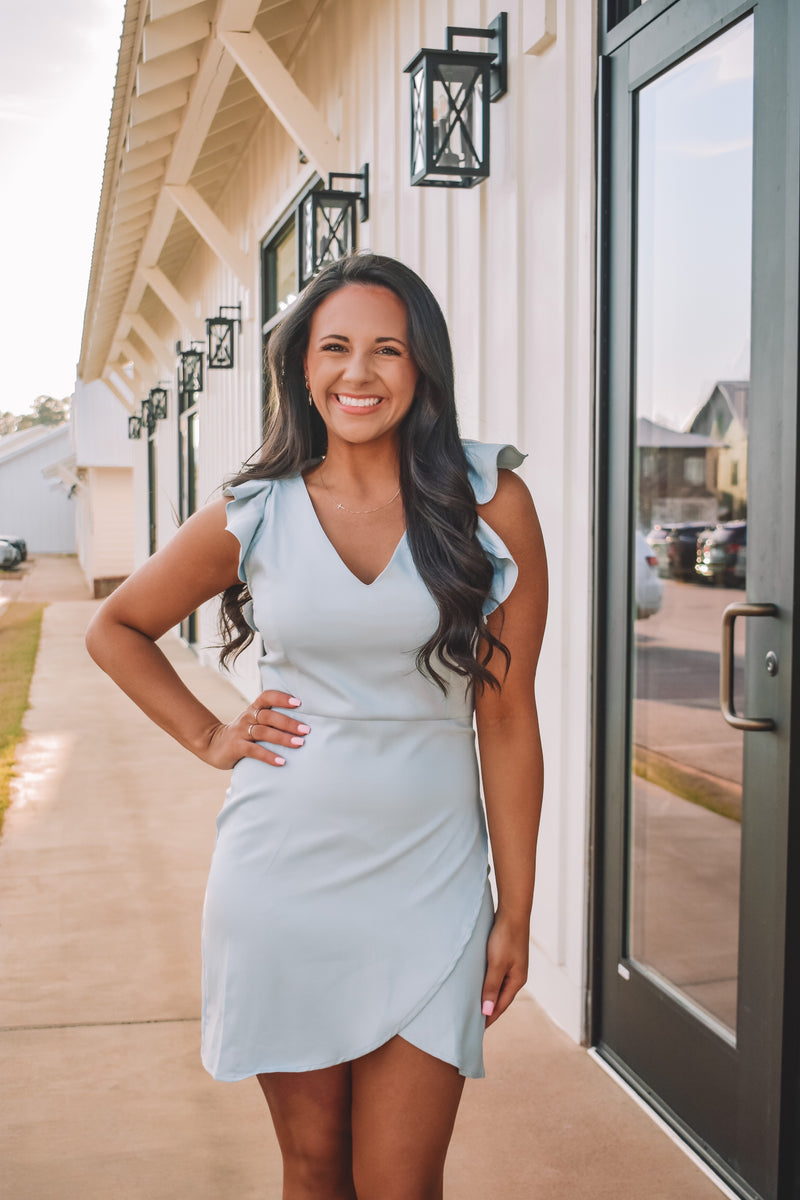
x,y
692,352
286,268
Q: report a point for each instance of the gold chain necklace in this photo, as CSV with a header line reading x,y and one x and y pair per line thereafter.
x,y
357,512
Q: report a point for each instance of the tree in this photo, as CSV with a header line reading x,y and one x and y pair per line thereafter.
x,y
45,410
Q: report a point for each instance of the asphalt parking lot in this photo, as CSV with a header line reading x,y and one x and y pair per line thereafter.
x,y
676,710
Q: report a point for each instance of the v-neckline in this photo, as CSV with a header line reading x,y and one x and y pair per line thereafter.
x,y
337,555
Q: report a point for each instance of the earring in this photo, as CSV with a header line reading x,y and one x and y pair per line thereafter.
x,y
310,397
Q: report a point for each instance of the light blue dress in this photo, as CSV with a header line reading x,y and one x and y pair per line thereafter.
x,y
348,898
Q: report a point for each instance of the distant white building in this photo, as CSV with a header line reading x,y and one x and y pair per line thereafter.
x,y
33,505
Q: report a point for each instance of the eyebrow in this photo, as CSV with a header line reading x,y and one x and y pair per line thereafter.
x,y
343,338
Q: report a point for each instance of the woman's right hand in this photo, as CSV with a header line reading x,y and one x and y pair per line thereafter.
x,y
259,722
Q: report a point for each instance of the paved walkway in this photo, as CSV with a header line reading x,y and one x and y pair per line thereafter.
x,y
102,868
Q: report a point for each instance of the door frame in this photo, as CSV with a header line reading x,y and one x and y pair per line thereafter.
x,y
772,853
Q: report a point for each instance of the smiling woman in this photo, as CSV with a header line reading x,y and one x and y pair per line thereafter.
x,y
364,374
362,386
351,954
438,502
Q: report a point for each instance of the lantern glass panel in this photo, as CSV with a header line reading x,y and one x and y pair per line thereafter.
x,y
307,248
158,400
220,342
191,371
134,428
334,228
418,121
458,117
328,224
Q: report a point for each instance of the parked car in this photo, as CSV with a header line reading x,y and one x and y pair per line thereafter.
x,y
682,549
648,587
9,555
657,540
17,541
722,554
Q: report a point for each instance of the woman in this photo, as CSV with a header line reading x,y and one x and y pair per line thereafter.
x,y
351,954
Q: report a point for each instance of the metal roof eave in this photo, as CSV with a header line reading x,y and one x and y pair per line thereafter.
x,y
151,198
130,42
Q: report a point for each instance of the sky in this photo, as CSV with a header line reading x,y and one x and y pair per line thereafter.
x,y
58,62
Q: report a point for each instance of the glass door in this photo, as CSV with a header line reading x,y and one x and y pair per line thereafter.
x,y
698,398
691,394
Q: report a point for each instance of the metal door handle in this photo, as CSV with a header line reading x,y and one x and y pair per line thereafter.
x,y
726,665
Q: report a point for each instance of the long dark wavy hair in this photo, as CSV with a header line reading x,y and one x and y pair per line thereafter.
x,y
439,503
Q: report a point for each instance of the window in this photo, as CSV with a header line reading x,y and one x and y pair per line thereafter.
x,y
280,262
280,276
694,470
279,287
279,271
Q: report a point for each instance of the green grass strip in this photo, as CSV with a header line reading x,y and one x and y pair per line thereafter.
x,y
20,629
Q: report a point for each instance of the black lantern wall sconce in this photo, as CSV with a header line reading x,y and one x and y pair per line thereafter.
x,y
157,398
450,95
153,409
148,417
190,368
327,222
220,337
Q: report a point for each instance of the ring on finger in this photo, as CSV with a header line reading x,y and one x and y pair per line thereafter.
x,y
250,732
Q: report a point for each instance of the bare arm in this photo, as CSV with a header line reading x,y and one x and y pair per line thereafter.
x,y
509,741
199,562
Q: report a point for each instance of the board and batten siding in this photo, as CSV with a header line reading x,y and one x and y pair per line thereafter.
x,y
512,263
32,506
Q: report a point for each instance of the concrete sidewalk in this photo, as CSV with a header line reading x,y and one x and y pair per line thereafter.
x,y
102,869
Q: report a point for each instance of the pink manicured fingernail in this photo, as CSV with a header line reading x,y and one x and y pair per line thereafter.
x,y
304,729
487,1008
294,702
279,762
297,742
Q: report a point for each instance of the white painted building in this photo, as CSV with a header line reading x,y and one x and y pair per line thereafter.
x,y
225,114
205,147
32,503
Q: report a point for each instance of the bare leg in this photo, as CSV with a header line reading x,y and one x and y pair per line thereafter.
x,y
404,1107
311,1114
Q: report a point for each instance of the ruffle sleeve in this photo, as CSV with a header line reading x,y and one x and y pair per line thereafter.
x,y
245,515
484,459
